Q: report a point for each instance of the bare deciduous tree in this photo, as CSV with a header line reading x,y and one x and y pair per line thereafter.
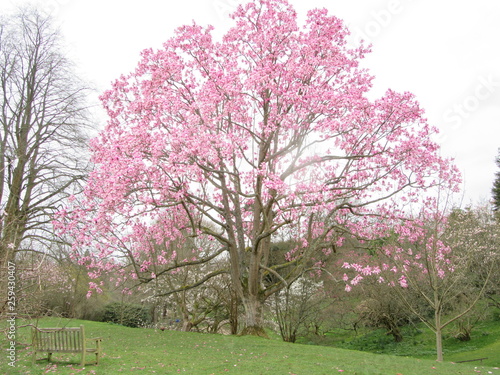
x,y
43,119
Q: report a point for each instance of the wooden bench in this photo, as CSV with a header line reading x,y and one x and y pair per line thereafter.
x,y
64,340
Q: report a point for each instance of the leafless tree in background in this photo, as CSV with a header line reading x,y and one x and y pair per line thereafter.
x,y
43,122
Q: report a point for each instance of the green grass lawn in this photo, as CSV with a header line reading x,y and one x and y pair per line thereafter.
x,y
149,351
420,343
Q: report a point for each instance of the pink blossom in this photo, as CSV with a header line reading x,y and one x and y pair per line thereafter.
x,y
403,282
269,132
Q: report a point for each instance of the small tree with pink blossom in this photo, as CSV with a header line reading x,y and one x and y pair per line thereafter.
x,y
268,133
439,261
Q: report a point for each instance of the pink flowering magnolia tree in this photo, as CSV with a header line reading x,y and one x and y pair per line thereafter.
x,y
266,133
439,259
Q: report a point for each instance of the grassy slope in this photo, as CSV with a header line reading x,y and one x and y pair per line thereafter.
x,y
150,351
485,343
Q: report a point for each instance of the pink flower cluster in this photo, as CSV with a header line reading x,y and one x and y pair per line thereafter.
x,y
266,132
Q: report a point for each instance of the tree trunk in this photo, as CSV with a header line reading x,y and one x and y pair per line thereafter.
x,y
233,312
186,324
439,344
438,325
253,317
182,304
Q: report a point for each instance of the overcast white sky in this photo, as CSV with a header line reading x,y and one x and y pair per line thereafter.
x,y
447,52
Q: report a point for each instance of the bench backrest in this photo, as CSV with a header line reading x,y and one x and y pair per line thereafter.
x,y
69,339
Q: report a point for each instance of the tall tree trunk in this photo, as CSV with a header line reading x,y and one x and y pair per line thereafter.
x,y
253,299
254,324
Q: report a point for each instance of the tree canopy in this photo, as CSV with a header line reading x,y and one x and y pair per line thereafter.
x,y
267,134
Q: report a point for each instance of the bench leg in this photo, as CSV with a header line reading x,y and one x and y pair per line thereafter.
x,y
50,357
83,359
33,360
